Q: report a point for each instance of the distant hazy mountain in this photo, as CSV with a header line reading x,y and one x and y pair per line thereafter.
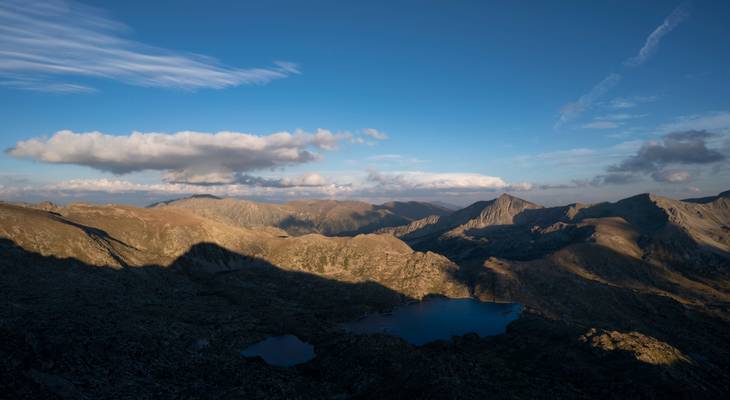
x,y
327,217
414,210
709,199
448,206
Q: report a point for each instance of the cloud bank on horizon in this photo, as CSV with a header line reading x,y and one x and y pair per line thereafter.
x,y
197,162
219,163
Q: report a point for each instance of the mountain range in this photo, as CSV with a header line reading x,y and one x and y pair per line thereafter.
x,y
629,299
328,217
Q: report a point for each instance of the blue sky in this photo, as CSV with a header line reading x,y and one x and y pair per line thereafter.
x,y
451,101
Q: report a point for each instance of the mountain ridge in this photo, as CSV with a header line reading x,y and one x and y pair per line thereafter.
x,y
125,236
298,217
633,291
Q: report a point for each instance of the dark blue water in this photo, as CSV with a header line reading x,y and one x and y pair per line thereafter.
x,y
434,319
281,351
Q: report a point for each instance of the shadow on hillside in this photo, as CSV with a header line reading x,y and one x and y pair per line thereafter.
x,y
73,330
153,324
367,222
203,267
614,292
591,269
297,226
517,242
93,233
537,233
371,222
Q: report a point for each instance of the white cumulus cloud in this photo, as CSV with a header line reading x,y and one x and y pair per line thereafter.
x,y
190,157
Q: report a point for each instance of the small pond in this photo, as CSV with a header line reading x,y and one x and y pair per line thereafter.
x,y
281,351
439,318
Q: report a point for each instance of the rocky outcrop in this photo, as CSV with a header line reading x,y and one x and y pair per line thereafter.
x,y
644,348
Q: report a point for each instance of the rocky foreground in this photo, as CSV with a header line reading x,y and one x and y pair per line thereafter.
x,y
623,300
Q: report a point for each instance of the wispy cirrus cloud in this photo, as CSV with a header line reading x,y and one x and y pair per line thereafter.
x,y
398,159
717,121
42,42
580,159
572,110
620,103
679,14
601,124
375,134
40,85
611,121
620,117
